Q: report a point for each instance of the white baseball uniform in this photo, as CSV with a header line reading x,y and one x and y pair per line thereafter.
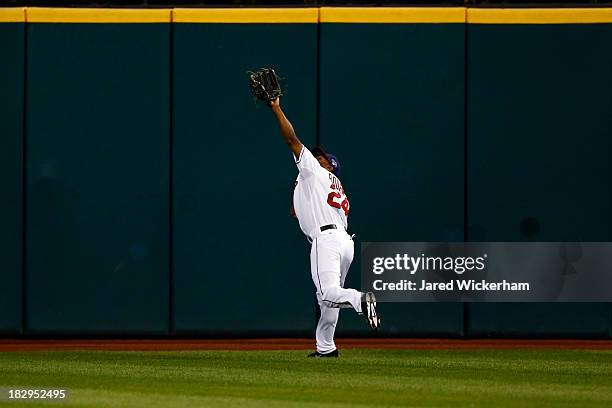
x,y
319,200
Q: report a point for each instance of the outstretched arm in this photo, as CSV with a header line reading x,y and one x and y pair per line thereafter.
x,y
286,128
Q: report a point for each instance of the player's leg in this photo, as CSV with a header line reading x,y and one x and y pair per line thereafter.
x,y
325,256
368,301
326,327
346,258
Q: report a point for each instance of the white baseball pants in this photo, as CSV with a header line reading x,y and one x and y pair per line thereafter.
x,y
330,258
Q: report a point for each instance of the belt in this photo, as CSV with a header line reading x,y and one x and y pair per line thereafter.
x,y
328,227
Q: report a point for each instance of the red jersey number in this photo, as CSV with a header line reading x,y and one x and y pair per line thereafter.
x,y
344,205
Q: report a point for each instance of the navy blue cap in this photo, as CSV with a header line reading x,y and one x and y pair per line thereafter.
x,y
333,160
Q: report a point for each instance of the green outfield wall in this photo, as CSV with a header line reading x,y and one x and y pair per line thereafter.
x,y
11,171
240,262
98,139
539,133
157,192
394,148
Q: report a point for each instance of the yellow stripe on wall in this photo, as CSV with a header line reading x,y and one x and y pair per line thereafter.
x,y
540,16
97,15
246,15
311,15
12,15
392,15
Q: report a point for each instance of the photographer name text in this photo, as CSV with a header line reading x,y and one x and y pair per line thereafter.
x,y
456,284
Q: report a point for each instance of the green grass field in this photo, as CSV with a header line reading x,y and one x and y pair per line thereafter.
x,y
446,378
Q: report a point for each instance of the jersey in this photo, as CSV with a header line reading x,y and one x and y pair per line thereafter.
x,y
318,198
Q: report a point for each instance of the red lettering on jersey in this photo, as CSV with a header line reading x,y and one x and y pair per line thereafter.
x,y
336,185
330,199
344,205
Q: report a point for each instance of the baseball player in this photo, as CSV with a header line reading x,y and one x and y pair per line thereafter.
x,y
322,207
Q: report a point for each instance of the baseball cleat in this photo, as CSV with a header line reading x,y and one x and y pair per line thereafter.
x,y
368,308
332,354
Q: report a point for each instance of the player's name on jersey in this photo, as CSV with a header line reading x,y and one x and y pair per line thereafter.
x,y
456,284
335,183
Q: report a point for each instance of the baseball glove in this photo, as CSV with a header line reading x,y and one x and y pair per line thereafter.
x,y
265,85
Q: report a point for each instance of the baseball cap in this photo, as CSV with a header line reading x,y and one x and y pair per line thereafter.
x,y
333,160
